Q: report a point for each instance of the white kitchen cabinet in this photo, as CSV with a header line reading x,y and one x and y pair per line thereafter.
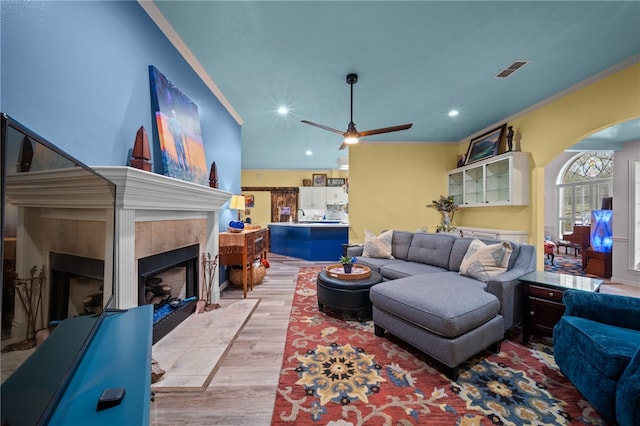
x,y
336,195
502,180
311,197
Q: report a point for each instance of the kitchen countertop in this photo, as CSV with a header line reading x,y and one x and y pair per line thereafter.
x,y
314,224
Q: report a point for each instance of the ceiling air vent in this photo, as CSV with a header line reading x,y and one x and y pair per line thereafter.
x,y
515,66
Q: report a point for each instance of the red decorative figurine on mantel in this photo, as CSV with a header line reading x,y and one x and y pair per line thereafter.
x,y
141,153
213,176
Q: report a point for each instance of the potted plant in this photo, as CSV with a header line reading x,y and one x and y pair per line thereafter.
x,y
347,263
447,207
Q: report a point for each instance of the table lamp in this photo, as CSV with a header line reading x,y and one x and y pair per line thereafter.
x,y
237,202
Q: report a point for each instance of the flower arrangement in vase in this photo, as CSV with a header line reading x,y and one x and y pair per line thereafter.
x,y
347,263
447,207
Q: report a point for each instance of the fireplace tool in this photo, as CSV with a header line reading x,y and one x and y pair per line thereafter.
x,y
209,266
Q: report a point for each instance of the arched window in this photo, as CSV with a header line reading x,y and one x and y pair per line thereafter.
x,y
582,183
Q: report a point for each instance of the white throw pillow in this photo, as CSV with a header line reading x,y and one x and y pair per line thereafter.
x,y
485,261
378,246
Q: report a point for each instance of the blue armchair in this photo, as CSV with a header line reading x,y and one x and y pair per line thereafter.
x,y
597,347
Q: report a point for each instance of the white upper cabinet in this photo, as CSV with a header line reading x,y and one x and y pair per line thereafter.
x,y
502,180
312,197
336,195
318,197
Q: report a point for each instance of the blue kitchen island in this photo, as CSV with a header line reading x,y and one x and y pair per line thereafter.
x,y
321,241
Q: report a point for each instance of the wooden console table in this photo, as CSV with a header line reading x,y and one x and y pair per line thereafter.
x,y
241,249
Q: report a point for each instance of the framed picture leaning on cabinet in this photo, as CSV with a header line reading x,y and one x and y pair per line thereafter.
x,y
335,181
485,145
319,180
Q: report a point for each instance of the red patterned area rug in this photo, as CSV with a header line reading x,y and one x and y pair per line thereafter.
x,y
337,372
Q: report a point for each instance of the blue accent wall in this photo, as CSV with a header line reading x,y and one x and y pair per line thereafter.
x,y
77,74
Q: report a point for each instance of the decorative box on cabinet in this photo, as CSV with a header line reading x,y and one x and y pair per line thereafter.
x,y
494,234
502,180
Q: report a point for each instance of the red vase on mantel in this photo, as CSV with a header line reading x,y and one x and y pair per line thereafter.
x,y
141,153
213,176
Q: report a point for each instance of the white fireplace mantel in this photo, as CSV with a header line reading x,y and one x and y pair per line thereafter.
x,y
145,196
140,190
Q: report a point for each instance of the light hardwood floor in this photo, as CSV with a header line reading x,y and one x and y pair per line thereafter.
x,y
243,389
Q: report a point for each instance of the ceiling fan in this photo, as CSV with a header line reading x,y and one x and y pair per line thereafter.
x,y
352,136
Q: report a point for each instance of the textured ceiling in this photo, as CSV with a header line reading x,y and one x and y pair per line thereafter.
x,y
416,60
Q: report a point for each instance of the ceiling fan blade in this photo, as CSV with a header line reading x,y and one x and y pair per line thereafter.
x,y
385,130
340,132
343,146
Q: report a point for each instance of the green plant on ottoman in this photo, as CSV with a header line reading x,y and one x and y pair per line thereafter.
x,y
347,263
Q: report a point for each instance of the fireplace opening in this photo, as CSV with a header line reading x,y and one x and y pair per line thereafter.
x,y
169,281
77,286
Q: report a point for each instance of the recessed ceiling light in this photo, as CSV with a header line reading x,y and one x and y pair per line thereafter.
x,y
309,153
453,113
283,110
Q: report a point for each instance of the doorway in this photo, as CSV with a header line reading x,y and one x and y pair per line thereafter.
x,y
284,204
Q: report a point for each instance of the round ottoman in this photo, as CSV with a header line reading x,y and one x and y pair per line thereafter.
x,y
346,295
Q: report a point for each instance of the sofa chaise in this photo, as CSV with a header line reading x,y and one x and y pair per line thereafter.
x,y
427,301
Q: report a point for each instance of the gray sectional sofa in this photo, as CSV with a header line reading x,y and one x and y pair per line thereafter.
x,y
425,301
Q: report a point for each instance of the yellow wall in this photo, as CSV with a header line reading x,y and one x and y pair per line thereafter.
x,y
390,184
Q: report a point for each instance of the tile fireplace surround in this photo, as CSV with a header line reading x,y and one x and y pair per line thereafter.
x,y
154,214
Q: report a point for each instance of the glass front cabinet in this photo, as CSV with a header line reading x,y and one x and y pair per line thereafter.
x,y
502,180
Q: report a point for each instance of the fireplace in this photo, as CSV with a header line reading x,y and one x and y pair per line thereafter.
x,y
169,281
77,286
155,214
150,214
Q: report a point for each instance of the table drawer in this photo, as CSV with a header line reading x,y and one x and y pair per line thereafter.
x,y
545,293
544,315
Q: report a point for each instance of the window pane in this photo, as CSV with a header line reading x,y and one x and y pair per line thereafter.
x,y
589,166
583,204
565,205
566,226
601,191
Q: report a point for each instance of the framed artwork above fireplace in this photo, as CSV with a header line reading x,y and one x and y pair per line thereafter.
x,y
178,128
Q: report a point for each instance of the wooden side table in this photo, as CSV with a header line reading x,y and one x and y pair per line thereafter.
x,y
242,249
542,299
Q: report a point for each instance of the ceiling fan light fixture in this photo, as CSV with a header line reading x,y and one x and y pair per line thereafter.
x,y
351,139
352,136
